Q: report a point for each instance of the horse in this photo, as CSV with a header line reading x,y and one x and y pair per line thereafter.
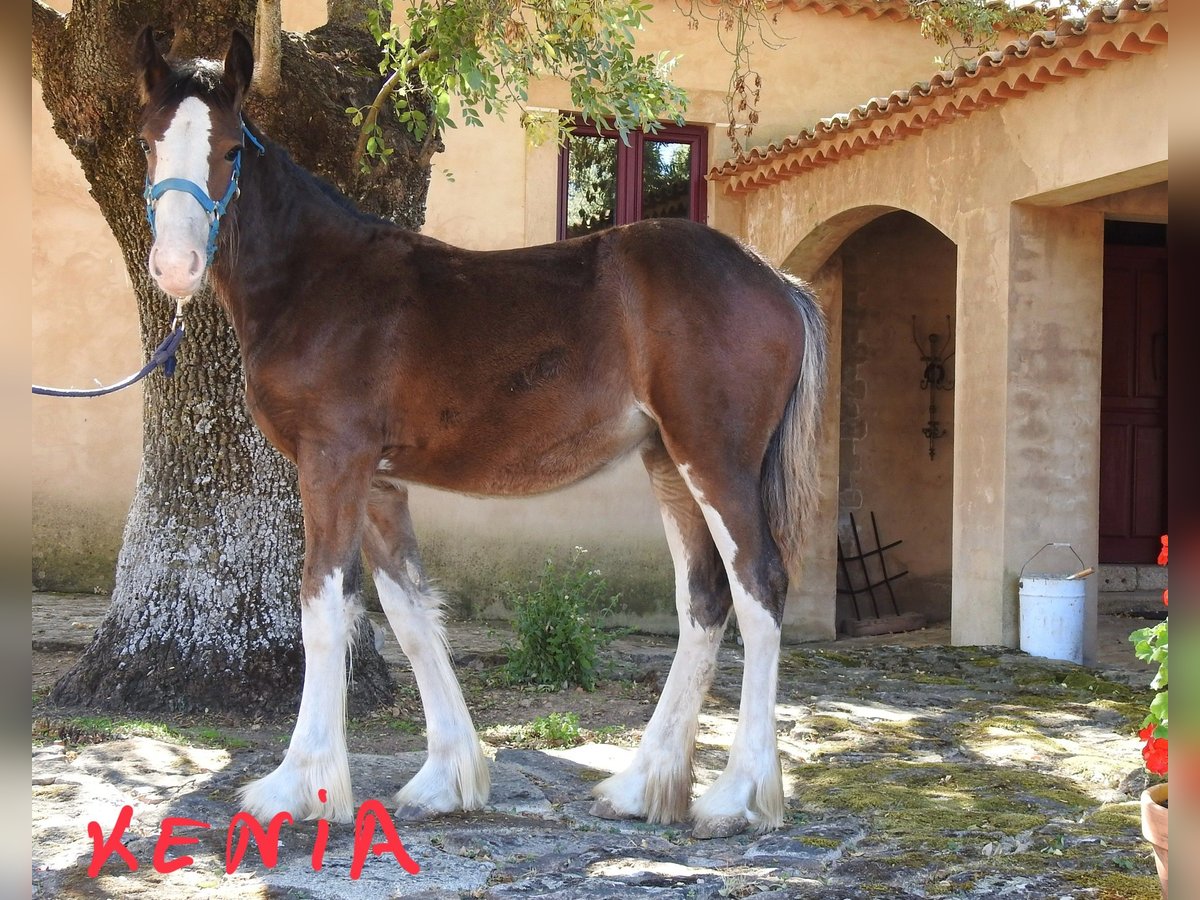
x,y
376,357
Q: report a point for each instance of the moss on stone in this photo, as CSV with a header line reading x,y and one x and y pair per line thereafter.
x,y
984,662
824,843
929,678
842,659
1115,820
1090,683
927,803
1133,713
1117,885
985,729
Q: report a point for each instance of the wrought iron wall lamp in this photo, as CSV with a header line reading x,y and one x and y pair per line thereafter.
x,y
934,377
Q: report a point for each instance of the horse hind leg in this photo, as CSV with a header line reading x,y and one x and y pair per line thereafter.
x,y
657,784
316,764
749,792
455,773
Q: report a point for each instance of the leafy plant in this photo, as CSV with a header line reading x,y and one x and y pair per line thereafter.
x,y
1150,645
969,28
558,625
555,729
484,52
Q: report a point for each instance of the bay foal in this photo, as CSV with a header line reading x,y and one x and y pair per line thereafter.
x,y
375,357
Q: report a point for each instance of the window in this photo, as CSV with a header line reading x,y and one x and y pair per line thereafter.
x,y
604,182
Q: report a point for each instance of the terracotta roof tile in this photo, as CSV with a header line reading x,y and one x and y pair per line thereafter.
x,y
873,9
1132,27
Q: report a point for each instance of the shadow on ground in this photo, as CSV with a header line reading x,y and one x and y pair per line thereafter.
x,y
912,769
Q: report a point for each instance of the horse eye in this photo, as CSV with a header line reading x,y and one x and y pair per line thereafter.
x,y
233,154
145,145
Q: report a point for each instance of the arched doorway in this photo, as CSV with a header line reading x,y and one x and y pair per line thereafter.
x,y
896,433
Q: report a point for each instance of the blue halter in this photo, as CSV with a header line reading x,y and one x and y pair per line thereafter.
x,y
215,209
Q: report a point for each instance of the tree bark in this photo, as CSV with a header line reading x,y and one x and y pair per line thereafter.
x,y
205,613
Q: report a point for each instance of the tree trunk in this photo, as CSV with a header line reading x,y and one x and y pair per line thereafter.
x,y
205,613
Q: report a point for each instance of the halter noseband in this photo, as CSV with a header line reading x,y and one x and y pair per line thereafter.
x,y
214,209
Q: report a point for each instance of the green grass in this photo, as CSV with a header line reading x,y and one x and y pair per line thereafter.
x,y
78,731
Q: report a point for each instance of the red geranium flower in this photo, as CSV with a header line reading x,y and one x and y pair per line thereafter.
x,y
1155,751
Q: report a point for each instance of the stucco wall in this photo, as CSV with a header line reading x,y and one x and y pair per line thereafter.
x,y
1020,190
489,190
1024,285
85,453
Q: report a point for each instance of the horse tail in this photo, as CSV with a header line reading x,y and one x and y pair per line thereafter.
x,y
790,484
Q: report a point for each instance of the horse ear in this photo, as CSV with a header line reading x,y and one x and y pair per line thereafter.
x,y
239,66
149,63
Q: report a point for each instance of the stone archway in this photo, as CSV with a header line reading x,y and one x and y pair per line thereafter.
x,y
874,268
898,311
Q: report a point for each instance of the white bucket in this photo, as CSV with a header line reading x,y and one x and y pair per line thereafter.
x,y
1052,613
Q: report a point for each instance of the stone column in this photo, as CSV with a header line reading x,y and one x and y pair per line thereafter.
x,y
979,609
1056,268
1027,408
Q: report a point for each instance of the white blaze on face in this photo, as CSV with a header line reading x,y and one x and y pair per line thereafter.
x,y
179,254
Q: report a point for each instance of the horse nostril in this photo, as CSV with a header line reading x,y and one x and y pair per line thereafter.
x,y
194,268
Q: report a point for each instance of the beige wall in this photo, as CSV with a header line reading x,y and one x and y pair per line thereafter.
x,y
997,184
489,190
1028,282
85,453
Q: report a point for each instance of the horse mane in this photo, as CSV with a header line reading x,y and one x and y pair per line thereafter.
x,y
191,77
310,179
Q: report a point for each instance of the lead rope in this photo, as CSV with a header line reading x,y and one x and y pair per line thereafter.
x,y
163,355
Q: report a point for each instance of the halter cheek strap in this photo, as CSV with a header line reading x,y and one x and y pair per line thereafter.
x,y
214,209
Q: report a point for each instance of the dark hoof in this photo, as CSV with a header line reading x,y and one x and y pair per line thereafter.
x,y
719,827
603,809
412,813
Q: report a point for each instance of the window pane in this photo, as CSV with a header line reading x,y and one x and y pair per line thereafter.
x,y
591,184
666,180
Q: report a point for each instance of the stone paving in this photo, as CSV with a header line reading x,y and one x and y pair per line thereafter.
x,y
912,770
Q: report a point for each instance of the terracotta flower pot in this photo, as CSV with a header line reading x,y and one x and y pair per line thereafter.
x,y
1154,828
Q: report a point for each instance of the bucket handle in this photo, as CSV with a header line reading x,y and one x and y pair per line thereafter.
x,y
1085,569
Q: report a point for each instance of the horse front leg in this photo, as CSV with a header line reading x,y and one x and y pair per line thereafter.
x,y
313,781
455,774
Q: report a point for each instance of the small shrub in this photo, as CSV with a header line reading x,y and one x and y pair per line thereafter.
x,y
558,626
556,729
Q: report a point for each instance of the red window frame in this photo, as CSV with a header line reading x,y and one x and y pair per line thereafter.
x,y
629,169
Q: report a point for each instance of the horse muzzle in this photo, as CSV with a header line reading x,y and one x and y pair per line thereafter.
x,y
177,270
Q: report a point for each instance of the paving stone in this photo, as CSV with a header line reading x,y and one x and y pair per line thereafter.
x,y
1016,758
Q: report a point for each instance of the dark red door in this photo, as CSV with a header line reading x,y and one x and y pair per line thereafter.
x,y
1133,404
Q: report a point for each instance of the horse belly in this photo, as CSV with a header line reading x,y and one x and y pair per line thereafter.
x,y
525,458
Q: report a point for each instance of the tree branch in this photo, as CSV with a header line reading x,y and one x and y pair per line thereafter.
x,y
268,31
48,28
386,91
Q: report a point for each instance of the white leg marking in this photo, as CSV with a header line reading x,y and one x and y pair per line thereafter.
x,y
455,775
751,787
657,784
316,757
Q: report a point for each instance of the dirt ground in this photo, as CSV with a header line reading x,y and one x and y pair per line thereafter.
x,y
911,768
634,669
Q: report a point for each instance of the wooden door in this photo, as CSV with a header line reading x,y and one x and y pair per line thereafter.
x,y
1133,407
